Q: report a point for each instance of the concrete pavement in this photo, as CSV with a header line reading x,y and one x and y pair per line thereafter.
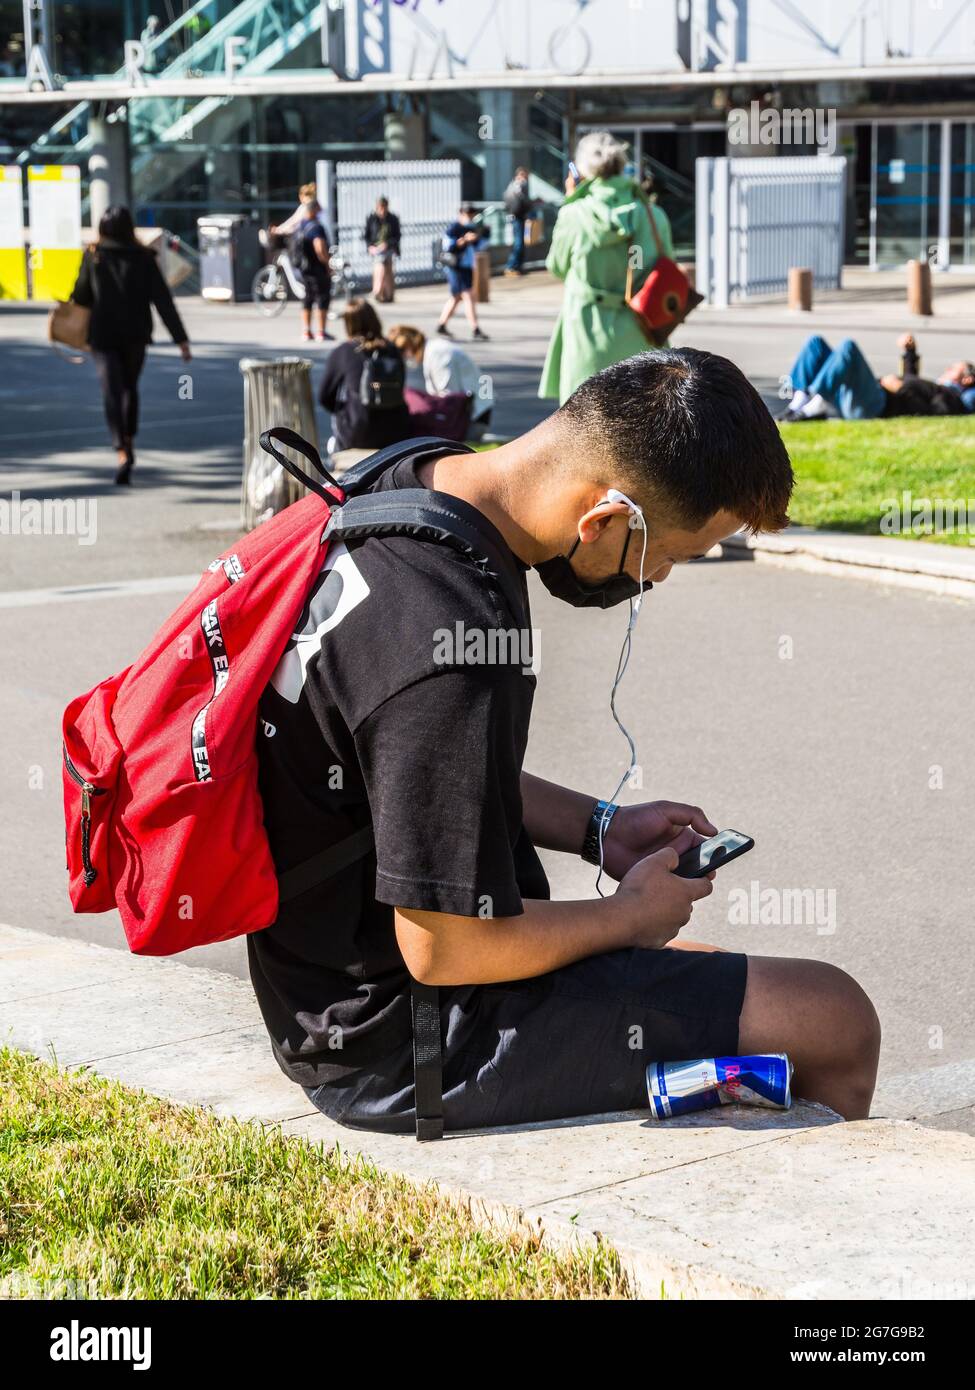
x,y
736,1203
825,718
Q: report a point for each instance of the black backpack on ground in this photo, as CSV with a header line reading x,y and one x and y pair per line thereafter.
x,y
383,378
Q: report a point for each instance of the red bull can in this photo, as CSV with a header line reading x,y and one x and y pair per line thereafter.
x,y
677,1088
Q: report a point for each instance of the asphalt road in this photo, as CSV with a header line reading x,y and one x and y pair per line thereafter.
x,y
827,718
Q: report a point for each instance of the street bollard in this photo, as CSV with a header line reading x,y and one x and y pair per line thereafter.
x,y
919,288
800,288
482,276
276,393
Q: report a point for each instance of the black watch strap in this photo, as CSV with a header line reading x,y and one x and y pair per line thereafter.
x,y
603,813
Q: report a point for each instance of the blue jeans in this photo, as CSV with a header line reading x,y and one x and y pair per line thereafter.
x,y
517,246
841,376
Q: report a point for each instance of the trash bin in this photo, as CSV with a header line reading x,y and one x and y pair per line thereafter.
x,y
277,393
230,256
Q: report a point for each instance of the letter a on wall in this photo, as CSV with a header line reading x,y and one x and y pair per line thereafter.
x,y
54,208
13,257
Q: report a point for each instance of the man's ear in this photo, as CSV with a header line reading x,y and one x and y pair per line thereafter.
x,y
595,521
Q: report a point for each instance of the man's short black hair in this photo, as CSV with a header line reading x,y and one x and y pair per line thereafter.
x,y
686,427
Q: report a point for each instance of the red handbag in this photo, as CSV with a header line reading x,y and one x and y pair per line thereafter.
x,y
666,296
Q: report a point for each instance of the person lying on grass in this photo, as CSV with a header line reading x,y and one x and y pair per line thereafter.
x,y
842,379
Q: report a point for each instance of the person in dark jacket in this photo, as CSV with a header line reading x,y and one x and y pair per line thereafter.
x,y
382,236
120,281
520,207
355,424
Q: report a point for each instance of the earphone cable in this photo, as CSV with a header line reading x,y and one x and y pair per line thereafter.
x,y
621,665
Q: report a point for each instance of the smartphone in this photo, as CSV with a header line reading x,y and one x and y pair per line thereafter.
x,y
710,854
574,171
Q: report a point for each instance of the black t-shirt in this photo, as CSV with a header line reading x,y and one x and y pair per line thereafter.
x,y
378,713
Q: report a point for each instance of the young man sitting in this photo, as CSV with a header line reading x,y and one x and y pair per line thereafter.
x,y
369,720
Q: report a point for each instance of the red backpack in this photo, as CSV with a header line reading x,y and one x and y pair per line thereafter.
x,y
162,807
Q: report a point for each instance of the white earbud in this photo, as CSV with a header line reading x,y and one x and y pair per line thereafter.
x,y
636,511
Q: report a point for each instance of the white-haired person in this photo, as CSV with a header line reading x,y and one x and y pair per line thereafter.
x,y
604,221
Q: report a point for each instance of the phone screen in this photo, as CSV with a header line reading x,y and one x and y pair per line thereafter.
x,y
710,854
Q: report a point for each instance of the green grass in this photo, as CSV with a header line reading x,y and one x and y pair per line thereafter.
x,y
138,1198
848,471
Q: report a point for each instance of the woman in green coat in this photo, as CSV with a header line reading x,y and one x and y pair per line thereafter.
x,y
597,224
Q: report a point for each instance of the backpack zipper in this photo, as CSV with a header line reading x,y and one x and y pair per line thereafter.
x,y
88,790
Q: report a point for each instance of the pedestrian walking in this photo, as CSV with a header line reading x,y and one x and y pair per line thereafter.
x,y
310,256
520,208
382,237
120,281
460,242
603,228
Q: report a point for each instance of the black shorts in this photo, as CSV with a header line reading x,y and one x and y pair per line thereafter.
x,y
318,290
574,1042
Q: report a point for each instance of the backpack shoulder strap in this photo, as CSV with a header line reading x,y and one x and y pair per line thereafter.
x,y
362,475
429,516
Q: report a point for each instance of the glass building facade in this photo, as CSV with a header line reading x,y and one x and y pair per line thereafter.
x,y
910,144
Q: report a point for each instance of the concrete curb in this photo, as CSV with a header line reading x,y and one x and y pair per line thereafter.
x,y
938,569
739,1203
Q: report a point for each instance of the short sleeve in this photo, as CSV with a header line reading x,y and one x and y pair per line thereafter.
x,y
442,768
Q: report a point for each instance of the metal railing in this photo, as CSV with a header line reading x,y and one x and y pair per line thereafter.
x,y
756,218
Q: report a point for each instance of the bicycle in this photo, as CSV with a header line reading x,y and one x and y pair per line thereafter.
x,y
276,283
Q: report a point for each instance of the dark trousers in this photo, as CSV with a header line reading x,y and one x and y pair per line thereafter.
x,y
118,371
517,253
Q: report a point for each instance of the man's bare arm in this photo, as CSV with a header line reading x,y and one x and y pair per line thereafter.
x,y
555,817
647,910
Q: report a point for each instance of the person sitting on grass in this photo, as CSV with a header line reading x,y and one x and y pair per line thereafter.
x,y
543,1010
842,378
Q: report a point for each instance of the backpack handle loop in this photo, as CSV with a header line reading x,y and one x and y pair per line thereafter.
x,y
292,440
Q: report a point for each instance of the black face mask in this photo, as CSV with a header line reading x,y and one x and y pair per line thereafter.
x,y
561,580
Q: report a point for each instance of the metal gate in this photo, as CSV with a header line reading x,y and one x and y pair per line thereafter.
x,y
758,217
423,193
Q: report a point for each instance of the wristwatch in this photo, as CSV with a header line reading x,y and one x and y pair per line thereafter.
x,y
602,815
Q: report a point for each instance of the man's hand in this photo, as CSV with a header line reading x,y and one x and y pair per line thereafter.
x,y
658,903
636,831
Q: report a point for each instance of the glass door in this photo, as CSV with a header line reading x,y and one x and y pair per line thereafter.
x,y
906,171
961,219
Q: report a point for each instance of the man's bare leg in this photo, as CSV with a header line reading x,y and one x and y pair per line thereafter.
x,y
821,1017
